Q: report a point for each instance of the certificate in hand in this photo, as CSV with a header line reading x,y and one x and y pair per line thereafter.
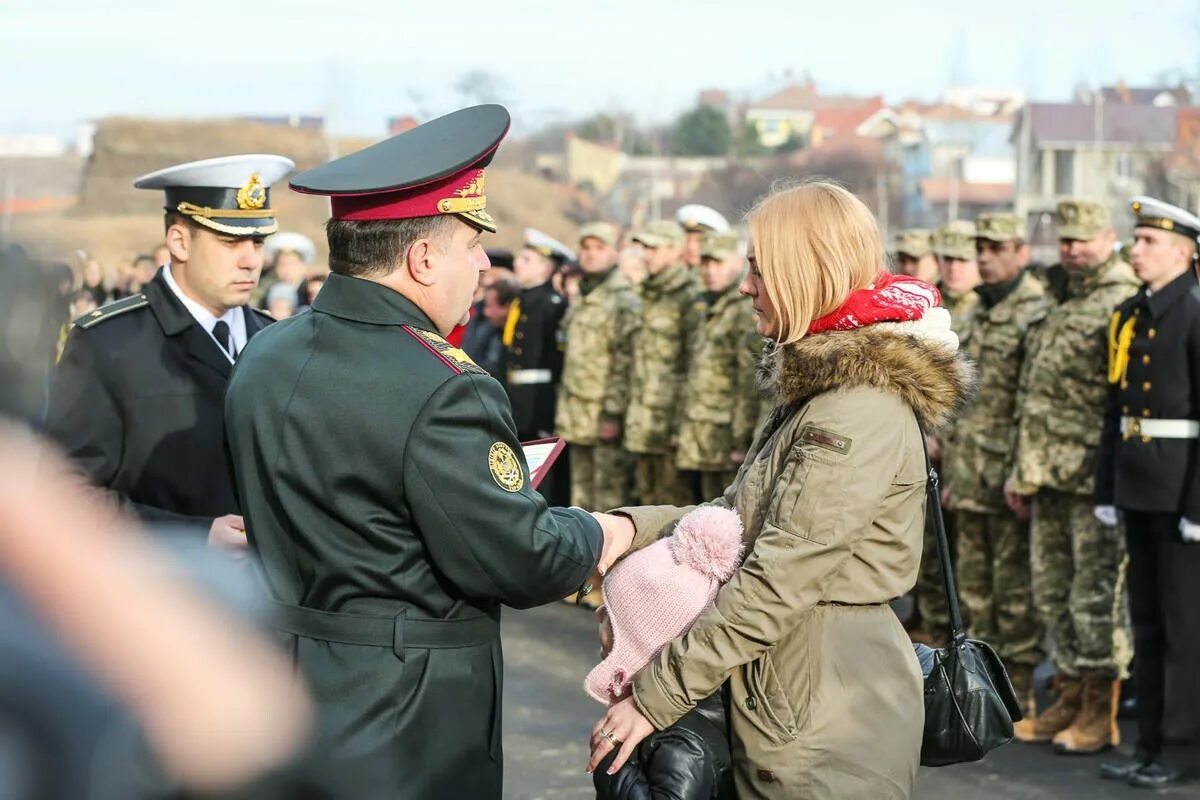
x,y
540,454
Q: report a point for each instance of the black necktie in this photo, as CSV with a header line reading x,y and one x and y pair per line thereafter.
x,y
220,332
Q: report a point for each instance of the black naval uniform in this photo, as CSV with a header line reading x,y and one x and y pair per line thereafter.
x,y
1155,482
534,361
137,403
385,492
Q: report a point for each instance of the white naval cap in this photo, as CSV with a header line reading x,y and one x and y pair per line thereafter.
x,y
290,241
547,245
230,194
697,218
1153,213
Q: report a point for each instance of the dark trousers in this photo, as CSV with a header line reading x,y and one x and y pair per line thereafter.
x,y
1164,606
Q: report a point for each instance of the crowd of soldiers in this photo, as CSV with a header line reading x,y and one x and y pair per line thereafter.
x,y
652,383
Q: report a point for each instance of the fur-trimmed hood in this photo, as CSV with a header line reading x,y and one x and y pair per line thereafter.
x,y
930,376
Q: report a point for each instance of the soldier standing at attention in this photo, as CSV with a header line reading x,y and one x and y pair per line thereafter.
x,y
661,355
599,332
698,222
914,255
382,479
993,541
533,352
137,399
1149,469
954,248
1076,559
721,403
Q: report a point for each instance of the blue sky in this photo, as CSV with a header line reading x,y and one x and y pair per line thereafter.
x,y
360,61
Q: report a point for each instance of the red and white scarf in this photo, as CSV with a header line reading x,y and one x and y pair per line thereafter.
x,y
898,303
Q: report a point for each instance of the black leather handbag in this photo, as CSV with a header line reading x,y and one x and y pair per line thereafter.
x,y
970,705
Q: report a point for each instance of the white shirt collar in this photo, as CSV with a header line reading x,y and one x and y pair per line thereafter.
x,y
233,317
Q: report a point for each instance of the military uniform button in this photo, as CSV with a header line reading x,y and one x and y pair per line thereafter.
x,y
1145,440
751,703
1124,409
1151,333
1145,359
520,335
1124,384
1145,412
1146,386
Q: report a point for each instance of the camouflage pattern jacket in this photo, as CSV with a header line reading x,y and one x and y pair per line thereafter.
x,y
977,462
720,402
661,356
962,309
599,331
1064,383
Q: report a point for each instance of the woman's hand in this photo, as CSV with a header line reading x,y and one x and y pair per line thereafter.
x,y
623,726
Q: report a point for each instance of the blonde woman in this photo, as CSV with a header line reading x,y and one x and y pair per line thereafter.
x,y
825,693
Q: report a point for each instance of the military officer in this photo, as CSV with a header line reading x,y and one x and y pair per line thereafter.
x,y
136,400
1076,560
697,222
958,275
594,395
662,352
993,542
1149,468
721,403
383,481
914,255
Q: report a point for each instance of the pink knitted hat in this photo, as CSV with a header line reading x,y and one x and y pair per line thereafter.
x,y
656,594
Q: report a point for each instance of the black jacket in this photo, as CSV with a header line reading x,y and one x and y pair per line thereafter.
x,y
137,403
688,761
1161,381
534,358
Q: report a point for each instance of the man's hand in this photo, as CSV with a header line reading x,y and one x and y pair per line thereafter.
x,y
1019,503
610,431
618,536
934,446
229,533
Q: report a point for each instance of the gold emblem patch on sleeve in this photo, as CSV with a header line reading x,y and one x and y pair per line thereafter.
x,y
505,468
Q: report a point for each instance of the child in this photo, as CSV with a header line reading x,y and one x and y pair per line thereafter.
x,y
650,598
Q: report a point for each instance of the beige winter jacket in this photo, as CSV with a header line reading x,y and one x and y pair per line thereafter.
x,y
825,691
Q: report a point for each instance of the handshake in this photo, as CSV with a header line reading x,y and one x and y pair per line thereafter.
x,y
618,533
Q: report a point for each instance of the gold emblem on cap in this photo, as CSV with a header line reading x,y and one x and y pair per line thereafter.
x,y
505,469
253,194
469,198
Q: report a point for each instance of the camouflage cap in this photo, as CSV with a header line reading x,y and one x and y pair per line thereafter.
x,y
955,240
660,233
603,231
719,246
1082,218
1000,226
914,242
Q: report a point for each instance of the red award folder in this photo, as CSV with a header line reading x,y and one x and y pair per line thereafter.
x,y
540,455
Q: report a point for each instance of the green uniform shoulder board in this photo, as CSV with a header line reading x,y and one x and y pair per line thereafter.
x,y
134,301
447,353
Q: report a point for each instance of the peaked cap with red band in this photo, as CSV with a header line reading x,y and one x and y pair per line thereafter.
x,y
435,168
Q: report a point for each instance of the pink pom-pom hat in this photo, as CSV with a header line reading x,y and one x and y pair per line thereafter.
x,y
657,593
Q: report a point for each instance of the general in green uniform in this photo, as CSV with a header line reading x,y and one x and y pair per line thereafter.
x,y
381,477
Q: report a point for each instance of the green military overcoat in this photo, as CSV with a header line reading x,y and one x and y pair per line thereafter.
x,y
385,492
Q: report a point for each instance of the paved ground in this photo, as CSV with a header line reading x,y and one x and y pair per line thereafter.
x,y
547,716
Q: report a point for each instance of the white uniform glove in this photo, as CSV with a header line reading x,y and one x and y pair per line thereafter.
x,y
1106,514
1190,530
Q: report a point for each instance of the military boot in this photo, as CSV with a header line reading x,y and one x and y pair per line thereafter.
x,y
1056,718
1021,677
1095,728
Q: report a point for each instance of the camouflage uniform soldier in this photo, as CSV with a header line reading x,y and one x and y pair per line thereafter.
x,y
914,255
661,355
954,247
594,395
1076,560
720,402
993,543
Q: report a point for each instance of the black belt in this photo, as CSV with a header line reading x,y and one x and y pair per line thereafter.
x,y
399,631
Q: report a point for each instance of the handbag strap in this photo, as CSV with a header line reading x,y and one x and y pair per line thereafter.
x,y
933,499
